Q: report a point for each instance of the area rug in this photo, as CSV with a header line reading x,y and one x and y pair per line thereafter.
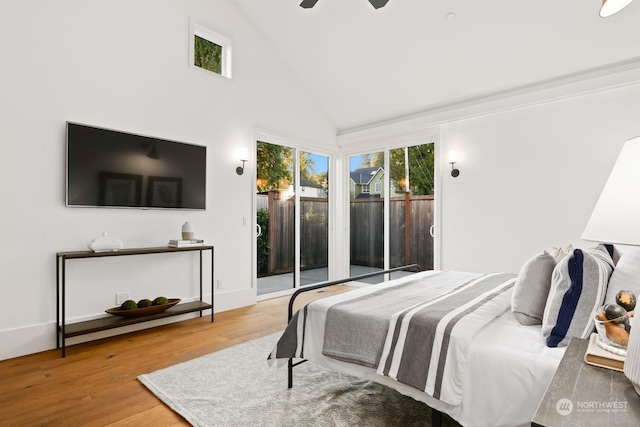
x,y
236,387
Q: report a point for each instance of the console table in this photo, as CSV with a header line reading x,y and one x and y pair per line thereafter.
x,y
580,394
64,330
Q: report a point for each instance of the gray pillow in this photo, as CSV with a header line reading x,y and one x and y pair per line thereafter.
x,y
532,288
578,288
626,276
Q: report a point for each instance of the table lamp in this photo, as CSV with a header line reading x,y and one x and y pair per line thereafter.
x,y
616,220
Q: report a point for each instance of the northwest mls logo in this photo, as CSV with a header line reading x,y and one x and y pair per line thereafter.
x,y
564,407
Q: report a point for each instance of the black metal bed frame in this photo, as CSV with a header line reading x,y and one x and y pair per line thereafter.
x,y
436,416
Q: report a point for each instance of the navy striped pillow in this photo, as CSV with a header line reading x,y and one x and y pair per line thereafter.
x,y
578,287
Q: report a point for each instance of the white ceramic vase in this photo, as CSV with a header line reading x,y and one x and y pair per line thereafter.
x,y
632,361
187,231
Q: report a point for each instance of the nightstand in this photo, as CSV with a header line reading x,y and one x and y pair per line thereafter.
x,y
585,395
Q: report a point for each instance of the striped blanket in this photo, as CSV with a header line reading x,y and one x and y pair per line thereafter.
x,y
416,332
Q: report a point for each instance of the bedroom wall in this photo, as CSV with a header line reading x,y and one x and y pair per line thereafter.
x,y
532,162
124,65
530,178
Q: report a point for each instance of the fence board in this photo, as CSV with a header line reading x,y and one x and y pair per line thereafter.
x,y
366,232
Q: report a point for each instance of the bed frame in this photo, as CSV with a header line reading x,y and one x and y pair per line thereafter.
x,y
436,416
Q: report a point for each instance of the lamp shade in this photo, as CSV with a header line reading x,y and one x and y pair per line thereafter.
x,y
616,217
610,7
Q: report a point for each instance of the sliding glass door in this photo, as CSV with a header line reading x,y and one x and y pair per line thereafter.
x,y
411,199
292,211
314,218
391,197
366,214
275,187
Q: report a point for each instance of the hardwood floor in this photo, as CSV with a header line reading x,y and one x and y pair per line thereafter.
x,y
96,384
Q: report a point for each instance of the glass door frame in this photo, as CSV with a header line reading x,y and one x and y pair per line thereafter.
x,y
298,147
386,147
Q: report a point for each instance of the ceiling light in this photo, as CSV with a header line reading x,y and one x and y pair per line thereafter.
x,y
610,7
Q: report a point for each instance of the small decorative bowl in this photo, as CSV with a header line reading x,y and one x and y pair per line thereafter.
x,y
604,340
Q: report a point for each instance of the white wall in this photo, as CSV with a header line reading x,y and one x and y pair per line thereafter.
x,y
532,166
124,65
530,178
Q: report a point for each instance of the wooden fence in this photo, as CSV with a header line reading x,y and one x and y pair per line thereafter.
x,y
410,241
410,219
314,243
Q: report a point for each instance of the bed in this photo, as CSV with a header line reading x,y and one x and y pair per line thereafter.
x,y
481,366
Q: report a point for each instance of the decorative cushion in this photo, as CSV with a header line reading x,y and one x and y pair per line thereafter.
x,y
559,253
532,288
578,287
626,276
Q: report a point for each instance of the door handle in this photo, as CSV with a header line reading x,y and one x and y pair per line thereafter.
x,y
259,230
431,230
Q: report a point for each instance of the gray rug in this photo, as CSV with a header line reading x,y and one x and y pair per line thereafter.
x,y
236,387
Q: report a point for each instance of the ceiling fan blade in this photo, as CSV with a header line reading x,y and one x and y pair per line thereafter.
x,y
378,3
308,4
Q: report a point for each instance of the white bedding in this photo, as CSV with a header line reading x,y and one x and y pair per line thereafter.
x,y
507,369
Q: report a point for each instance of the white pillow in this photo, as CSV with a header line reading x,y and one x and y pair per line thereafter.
x,y
626,276
532,288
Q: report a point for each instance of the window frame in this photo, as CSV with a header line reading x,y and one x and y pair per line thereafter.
x,y
213,37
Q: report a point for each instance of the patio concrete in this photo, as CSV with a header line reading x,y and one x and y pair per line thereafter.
x,y
282,282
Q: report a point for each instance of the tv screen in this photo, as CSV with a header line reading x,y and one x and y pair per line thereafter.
x,y
118,169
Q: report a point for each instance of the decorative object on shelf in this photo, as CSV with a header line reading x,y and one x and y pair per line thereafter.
x,y
610,325
187,231
616,220
105,243
185,243
611,7
599,354
143,311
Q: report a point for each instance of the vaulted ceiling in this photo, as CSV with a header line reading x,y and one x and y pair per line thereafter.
x,y
362,65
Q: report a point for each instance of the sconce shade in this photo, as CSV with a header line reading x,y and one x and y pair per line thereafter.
x,y
616,217
611,7
453,156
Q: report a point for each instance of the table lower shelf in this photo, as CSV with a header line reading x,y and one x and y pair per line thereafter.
x,y
112,322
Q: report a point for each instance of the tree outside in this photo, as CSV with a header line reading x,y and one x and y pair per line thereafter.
x,y
420,161
207,55
420,169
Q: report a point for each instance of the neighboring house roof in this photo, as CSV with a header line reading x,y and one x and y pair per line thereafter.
x,y
364,175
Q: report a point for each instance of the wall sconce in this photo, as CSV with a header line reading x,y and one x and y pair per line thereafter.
x,y
453,159
244,157
610,7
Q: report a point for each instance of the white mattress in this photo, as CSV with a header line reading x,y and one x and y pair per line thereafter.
x,y
508,368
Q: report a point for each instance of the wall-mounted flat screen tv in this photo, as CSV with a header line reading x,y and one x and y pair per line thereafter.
x,y
122,170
